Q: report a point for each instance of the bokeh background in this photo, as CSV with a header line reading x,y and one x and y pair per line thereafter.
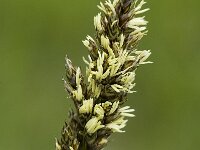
x,y
35,35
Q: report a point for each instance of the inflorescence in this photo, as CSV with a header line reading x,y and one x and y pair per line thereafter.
x,y
110,73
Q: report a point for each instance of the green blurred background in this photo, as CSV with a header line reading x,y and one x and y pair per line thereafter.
x,y
35,35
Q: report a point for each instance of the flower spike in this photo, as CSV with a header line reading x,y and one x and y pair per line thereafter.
x,y
110,75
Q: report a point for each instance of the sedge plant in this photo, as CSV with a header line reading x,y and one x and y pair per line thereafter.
x,y
99,97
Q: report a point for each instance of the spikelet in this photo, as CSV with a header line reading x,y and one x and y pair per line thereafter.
x,y
110,74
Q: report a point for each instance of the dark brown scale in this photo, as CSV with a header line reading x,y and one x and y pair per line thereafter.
x,y
126,5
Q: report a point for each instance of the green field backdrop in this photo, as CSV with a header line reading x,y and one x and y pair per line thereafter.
x,y
35,35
